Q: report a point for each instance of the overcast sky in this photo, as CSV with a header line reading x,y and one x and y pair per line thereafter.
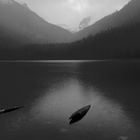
x,y
70,12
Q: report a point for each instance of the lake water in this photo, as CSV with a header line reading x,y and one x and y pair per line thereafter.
x,y
52,90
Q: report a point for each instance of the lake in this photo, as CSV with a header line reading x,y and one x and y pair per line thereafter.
x,y
52,90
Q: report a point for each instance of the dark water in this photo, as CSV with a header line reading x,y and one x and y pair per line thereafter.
x,y
51,92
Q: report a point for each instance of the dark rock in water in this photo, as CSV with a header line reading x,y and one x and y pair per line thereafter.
x,y
3,111
78,115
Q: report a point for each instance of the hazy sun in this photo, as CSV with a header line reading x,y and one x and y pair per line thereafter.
x,y
78,5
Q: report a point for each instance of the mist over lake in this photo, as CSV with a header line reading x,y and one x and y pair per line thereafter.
x,y
52,91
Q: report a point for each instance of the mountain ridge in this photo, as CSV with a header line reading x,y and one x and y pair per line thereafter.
x,y
19,19
29,28
128,14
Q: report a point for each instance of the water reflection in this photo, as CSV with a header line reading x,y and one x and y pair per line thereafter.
x,y
52,92
105,120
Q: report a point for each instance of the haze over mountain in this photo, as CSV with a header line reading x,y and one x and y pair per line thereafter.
x,y
19,22
84,23
127,15
120,40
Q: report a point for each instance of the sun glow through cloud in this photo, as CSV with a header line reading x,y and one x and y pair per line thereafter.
x,y
69,97
78,5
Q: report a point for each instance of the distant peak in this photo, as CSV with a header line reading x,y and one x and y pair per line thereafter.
x,y
84,23
24,5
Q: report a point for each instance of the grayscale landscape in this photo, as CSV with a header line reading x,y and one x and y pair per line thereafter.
x,y
69,70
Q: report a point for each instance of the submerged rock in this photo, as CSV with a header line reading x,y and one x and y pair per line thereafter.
x,y
3,111
78,115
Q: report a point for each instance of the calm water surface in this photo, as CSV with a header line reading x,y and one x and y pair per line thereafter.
x,y
52,91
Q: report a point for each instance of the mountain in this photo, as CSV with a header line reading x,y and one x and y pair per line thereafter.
x,y
127,15
20,24
117,43
118,39
19,21
84,23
